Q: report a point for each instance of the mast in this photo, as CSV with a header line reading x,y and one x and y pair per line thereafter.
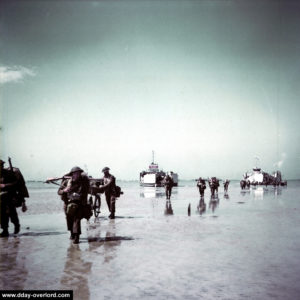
x,y
153,156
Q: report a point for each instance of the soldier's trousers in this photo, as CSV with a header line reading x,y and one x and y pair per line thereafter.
x,y
8,210
111,203
168,192
74,222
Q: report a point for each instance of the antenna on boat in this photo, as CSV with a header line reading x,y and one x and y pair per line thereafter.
x,y
153,156
257,159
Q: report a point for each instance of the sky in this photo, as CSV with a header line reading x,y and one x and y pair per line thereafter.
x,y
207,85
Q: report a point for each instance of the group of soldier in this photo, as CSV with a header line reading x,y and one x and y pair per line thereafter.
x,y
213,183
73,190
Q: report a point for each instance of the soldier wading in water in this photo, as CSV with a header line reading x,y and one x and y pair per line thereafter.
x,y
74,192
109,187
168,183
13,191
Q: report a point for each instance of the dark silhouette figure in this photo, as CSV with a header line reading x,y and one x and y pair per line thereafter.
x,y
168,184
201,186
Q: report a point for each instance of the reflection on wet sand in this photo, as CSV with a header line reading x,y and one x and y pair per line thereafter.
x,y
75,273
152,192
168,209
201,206
111,243
13,268
214,202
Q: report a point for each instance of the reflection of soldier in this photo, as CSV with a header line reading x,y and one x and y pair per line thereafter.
x,y
110,191
168,184
110,242
13,265
76,273
202,206
10,195
169,209
213,203
201,186
76,191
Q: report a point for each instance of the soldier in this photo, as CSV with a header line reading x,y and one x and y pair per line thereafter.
x,y
74,193
64,198
109,186
226,184
168,183
8,186
201,186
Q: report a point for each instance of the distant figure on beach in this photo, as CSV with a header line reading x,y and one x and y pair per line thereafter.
x,y
248,184
226,184
168,184
74,192
243,184
214,185
110,191
201,186
13,192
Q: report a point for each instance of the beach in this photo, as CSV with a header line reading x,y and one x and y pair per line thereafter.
x,y
242,246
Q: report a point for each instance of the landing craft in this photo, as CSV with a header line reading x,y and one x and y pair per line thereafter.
x,y
154,176
260,177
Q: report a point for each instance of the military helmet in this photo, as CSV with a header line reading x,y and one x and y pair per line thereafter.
x,y
75,169
105,169
2,162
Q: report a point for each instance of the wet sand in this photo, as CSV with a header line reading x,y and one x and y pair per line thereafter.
x,y
244,246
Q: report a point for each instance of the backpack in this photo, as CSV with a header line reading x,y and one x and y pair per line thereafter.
x,y
118,191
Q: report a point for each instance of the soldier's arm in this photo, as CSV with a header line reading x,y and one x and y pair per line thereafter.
x,y
11,185
110,182
62,187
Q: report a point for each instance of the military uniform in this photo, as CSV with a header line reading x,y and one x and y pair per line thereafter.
x,y
74,193
168,183
64,198
8,209
109,186
202,186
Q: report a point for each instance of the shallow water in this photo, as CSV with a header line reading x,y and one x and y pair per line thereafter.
x,y
242,246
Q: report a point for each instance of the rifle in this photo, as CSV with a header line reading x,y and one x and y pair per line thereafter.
x,y
54,179
10,164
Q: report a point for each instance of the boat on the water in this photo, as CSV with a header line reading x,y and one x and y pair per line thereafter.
x,y
259,177
154,176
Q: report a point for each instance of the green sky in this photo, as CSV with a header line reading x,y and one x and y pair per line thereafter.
x,y
208,85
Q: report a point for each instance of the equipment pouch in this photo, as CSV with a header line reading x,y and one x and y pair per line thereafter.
x,y
72,209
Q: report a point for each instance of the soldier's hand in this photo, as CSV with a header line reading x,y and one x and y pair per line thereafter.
x,y
66,190
24,207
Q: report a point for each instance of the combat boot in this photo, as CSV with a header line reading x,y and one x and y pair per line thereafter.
x,y
113,209
4,233
76,238
17,229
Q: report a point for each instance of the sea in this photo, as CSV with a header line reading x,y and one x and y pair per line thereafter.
x,y
244,244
